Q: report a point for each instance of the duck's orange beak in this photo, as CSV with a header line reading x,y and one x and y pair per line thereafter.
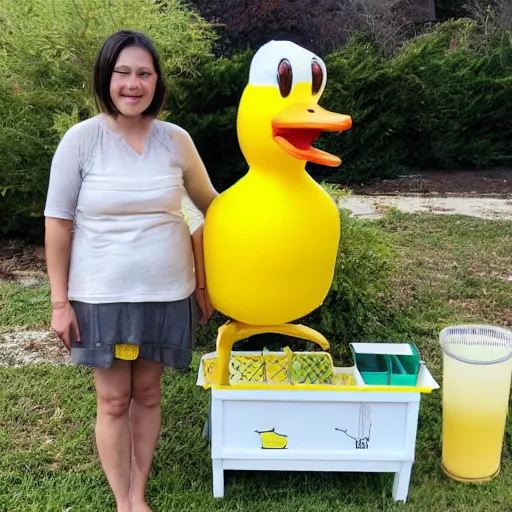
x,y
296,127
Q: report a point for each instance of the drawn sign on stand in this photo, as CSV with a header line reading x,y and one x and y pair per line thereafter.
x,y
271,440
365,428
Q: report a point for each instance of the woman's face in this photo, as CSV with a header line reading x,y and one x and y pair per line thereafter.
x,y
133,81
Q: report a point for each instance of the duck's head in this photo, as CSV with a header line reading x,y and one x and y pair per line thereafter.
x,y
279,117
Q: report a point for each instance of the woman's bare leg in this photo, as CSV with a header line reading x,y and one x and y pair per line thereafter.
x,y
145,423
113,387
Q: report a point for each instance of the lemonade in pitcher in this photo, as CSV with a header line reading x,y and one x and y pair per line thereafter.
x,y
472,442
476,387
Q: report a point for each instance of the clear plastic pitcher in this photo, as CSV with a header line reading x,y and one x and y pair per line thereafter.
x,y
477,369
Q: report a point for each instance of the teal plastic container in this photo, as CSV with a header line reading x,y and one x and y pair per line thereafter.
x,y
388,369
374,368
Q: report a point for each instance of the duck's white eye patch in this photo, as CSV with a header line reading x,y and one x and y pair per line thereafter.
x,y
317,75
284,77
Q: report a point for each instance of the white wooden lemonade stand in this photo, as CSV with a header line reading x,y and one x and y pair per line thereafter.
x,y
259,422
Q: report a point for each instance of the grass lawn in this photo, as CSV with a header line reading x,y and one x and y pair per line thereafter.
x,y
449,269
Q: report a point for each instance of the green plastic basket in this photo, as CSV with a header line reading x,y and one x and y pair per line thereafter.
x,y
388,369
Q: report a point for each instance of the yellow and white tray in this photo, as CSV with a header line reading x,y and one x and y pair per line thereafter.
x,y
271,370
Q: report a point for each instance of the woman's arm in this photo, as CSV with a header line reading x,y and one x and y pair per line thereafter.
x,y
197,248
202,296
63,189
201,192
58,236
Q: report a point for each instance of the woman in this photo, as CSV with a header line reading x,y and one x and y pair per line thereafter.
x,y
119,254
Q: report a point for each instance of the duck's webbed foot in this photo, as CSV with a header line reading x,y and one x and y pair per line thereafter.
x,y
233,331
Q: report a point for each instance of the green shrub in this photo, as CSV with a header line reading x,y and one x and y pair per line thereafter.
x,y
47,51
26,143
443,101
361,84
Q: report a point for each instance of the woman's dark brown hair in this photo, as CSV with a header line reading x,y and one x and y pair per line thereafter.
x,y
104,67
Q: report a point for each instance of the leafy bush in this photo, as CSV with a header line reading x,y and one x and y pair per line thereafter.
x,y
46,58
362,84
443,101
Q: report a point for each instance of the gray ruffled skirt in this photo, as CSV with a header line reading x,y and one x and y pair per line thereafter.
x,y
163,331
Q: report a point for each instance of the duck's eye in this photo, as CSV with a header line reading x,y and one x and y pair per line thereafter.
x,y
284,77
318,76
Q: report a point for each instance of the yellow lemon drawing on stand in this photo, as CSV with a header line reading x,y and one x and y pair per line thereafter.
x,y
271,440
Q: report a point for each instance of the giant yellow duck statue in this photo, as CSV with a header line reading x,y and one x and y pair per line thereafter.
x,y
271,240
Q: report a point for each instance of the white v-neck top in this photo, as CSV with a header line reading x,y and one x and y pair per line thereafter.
x,y
131,242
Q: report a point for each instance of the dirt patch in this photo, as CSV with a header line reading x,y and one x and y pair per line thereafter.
x,y
374,206
492,183
18,348
21,261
